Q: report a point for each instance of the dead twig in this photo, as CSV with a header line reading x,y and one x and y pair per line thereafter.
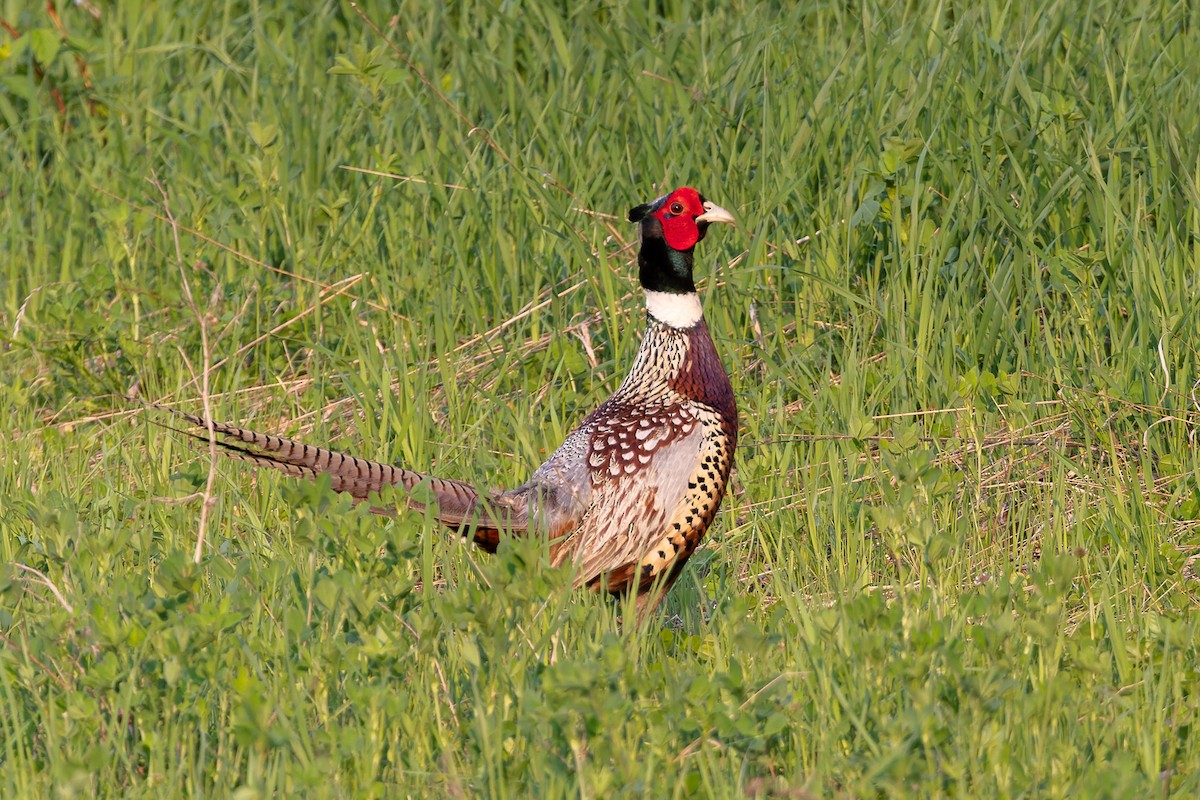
x,y
205,372
40,578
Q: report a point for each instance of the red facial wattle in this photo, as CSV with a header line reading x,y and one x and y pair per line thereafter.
x,y
678,217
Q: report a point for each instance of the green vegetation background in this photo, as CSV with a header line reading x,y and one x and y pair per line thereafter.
x,y
959,557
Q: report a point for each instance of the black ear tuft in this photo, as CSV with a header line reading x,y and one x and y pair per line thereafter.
x,y
639,213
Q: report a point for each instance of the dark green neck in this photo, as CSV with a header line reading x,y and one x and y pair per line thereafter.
x,y
661,268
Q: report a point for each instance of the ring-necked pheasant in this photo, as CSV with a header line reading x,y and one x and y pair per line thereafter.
x,y
630,493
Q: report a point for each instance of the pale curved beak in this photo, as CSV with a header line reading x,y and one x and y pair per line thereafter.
x,y
714,213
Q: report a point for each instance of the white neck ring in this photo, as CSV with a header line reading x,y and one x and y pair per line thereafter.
x,y
676,310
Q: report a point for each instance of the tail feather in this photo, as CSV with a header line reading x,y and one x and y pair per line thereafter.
x,y
459,504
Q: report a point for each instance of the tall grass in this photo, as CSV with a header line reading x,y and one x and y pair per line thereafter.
x,y
959,557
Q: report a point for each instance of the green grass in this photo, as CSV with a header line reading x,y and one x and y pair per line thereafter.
x,y
959,557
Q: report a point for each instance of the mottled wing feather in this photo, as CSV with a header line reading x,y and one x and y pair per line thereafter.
x,y
631,511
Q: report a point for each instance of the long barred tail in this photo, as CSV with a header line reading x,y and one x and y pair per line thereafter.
x,y
458,504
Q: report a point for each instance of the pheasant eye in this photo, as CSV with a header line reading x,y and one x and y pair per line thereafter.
x,y
676,208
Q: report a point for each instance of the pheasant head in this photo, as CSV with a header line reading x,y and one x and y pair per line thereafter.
x,y
670,228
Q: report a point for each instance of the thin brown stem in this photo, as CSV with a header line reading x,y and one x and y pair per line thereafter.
x,y
205,372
